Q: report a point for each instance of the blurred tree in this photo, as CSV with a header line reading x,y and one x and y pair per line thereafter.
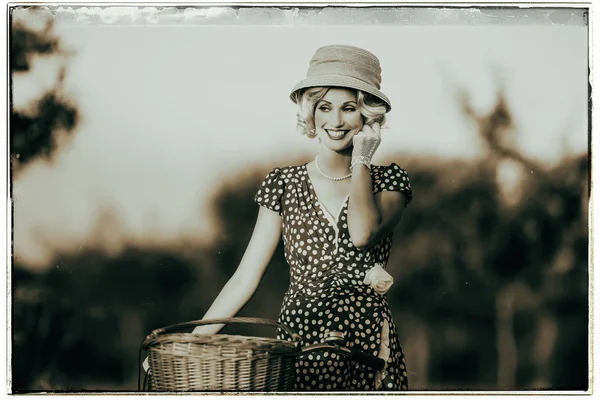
x,y
535,230
472,266
79,325
36,131
39,318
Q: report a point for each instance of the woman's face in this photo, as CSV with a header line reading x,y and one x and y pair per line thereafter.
x,y
337,118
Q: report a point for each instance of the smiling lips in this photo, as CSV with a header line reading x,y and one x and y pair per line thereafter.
x,y
336,134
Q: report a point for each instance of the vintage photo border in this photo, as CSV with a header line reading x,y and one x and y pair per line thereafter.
x,y
174,13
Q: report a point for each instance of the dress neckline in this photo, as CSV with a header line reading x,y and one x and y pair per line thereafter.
x,y
333,219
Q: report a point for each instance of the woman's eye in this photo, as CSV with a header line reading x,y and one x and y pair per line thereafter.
x,y
324,108
349,109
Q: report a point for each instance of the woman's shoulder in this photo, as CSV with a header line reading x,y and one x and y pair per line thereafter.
x,y
293,168
288,171
391,177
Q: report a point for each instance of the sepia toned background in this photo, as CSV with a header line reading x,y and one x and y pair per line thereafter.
x,y
139,138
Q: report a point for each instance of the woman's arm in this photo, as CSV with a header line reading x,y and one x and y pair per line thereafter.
x,y
242,285
371,217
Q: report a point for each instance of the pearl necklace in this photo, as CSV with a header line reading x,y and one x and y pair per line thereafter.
x,y
327,176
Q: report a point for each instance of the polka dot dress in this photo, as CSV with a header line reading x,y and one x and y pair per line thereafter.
x,y
326,291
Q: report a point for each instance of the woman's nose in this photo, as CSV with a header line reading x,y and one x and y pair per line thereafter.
x,y
336,119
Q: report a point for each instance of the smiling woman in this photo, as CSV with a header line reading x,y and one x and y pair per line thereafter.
x,y
336,216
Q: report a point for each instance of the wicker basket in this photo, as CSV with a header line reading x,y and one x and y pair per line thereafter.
x,y
193,362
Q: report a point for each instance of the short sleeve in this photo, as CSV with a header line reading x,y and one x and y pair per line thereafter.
x,y
271,191
393,178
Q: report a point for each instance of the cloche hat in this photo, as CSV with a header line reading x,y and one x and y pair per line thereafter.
x,y
344,66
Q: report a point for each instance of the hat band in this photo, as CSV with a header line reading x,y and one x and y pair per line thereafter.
x,y
364,74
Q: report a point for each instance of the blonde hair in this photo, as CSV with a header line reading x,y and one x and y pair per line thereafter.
x,y
372,108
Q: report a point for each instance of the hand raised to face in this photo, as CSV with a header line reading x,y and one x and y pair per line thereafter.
x,y
365,144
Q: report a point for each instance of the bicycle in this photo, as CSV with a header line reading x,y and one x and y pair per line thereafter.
x,y
221,362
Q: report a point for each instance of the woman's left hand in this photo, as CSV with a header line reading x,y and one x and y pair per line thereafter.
x,y
365,144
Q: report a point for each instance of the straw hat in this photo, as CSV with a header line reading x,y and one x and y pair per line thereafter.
x,y
344,66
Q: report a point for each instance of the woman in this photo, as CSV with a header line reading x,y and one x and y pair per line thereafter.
x,y
336,215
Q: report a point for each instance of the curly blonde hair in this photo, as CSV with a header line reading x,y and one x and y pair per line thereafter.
x,y
372,108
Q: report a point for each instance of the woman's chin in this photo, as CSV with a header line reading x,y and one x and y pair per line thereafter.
x,y
338,146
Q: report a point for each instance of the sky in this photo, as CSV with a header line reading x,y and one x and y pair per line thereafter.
x,y
170,111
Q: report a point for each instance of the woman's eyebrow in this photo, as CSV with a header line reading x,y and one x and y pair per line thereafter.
x,y
343,104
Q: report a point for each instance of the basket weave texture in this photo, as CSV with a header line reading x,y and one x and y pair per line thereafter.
x,y
193,362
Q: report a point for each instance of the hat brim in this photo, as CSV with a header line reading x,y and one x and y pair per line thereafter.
x,y
340,81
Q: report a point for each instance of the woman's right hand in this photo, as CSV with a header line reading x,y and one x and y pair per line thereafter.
x,y
207,329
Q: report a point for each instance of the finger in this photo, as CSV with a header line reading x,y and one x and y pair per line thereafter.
x,y
377,129
368,130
